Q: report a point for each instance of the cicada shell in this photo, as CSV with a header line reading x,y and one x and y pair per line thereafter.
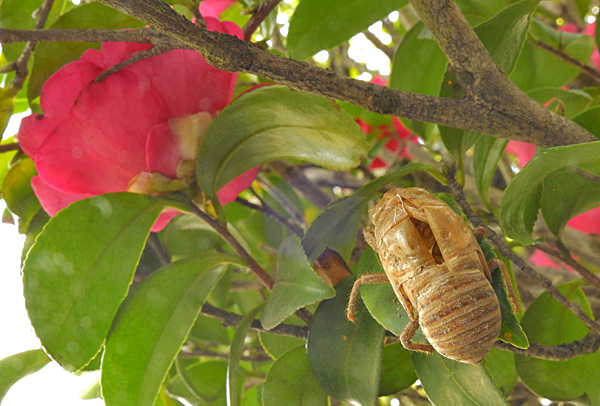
x,y
438,272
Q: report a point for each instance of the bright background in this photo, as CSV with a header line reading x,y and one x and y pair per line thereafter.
x,y
52,385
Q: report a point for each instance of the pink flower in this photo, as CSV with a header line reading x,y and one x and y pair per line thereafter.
x,y
214,8
136,130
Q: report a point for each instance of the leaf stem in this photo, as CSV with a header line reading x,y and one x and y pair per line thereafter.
x,y
222,230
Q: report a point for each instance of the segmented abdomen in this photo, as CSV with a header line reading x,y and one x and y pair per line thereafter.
x,y
459,314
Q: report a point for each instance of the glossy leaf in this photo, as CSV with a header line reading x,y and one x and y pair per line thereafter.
x,y
323,24
488,151
397,371
501,367
452,383
253,130
337,225
296,284
88,252
290,382
152,325
548,322
537,68
522,198
51,56
205,379
575,101
18,366
416,50
345,357
235,353
381,300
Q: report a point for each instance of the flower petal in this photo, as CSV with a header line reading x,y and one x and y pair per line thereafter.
x,y
51,199
230,191
103,144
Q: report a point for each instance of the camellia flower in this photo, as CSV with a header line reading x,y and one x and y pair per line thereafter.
x,y
136,130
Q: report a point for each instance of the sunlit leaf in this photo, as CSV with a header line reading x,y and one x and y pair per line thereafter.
x,y
323,24
18,366
253,130
345,357
296,284
152,325
18,193
79,270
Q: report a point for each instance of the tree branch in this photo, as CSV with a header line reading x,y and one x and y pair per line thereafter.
x,y
517,117
561,352
260,13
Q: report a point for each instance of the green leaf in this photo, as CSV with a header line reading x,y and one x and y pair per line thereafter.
x,y
152,325
590,120
523,196
397,371
537,68
337,225
205,379
276,344
478,11
208,329
452,383
575,101
416,50
253,130
380,299
51,56
323,24
235,353
296,284
88,252
501,367
487,153
187,235
345,357
17,14
18,193
290,382
18,366
548,322
556,209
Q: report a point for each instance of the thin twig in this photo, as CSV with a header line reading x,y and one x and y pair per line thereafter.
x,y
158,249
222,230
21,62
270,212
213,354
294,212
585,69
13,146
296,178
509,254
139,56
259,14
580,269
232,319
389,52
562,352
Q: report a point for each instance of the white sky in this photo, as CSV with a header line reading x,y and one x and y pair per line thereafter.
x,y
52,386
